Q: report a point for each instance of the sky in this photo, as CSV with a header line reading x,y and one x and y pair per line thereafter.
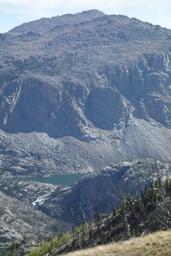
x,y
16,12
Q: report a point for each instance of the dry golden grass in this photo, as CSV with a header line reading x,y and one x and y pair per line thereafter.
x,y
157,244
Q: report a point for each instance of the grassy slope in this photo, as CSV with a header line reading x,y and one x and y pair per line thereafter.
x,y
157,244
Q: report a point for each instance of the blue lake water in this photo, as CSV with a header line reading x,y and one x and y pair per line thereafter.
x,y
65,180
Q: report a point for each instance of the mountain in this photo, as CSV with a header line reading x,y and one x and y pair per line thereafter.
x,y
84,93
80,91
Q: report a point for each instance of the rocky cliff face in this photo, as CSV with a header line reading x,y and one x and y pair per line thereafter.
x,y
99,86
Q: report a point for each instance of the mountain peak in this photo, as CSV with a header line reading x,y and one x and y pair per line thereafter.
x,y
46,24
94,12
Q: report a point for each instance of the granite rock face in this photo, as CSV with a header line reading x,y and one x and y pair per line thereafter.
x,y
87,89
